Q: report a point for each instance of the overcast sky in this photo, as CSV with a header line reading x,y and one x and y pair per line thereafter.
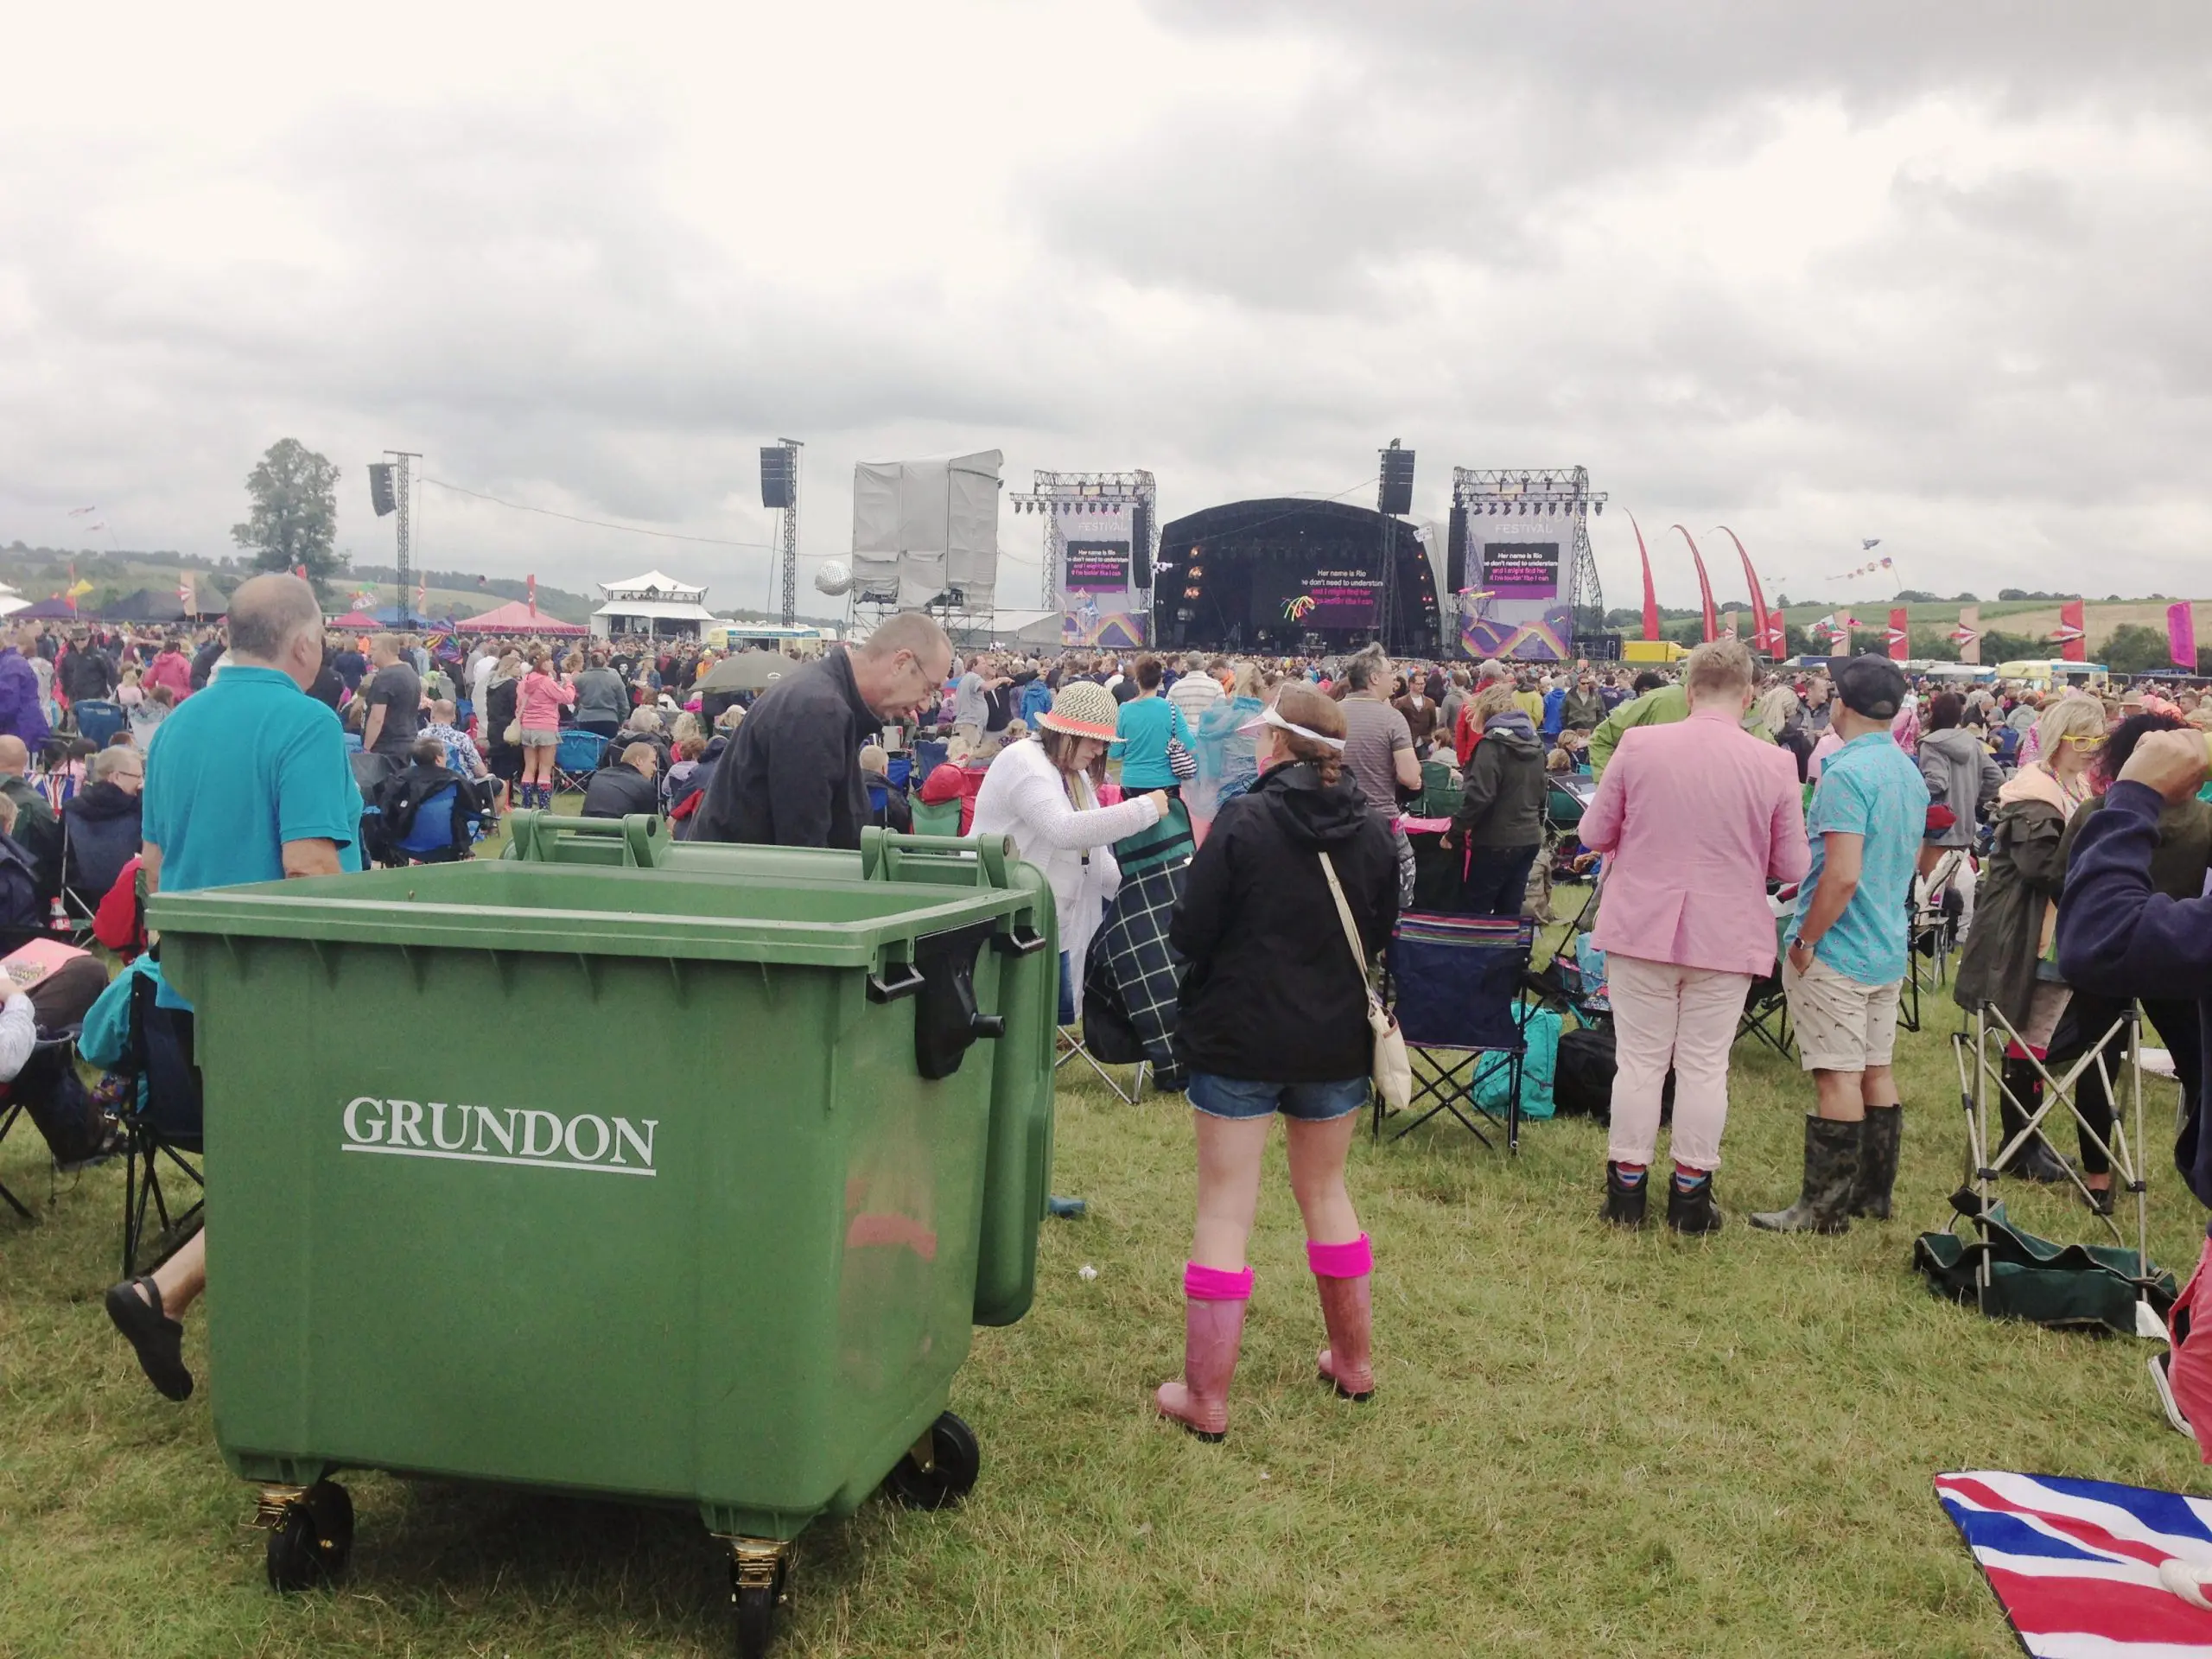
x,y
1936,273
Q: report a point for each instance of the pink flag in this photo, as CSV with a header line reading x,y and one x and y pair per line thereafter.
x,y
2181,635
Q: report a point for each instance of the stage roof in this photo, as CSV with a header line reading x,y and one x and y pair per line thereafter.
x,y
659,610
653,581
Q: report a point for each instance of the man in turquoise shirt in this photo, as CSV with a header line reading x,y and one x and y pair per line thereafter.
x,y
246,781
1847,953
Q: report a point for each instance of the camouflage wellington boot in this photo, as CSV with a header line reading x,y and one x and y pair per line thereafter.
x,y
1831,1175
1877,1162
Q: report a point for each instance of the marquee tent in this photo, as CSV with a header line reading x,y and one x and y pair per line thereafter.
x,y
357,621
654,603
516,616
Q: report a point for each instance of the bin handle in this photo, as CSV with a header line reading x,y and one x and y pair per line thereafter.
x,y
880,989
882,852
643,836
1019,940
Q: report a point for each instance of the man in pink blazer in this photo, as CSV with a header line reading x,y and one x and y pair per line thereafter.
x,y
1693,818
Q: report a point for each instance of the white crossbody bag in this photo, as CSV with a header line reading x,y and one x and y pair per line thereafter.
x,y
1392,1067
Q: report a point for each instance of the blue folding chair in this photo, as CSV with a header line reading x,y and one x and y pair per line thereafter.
x,y
578,755
1456,981
99,720
898,768
431,839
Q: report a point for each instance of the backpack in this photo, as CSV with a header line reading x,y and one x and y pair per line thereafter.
x,y
76,1127
1582,1077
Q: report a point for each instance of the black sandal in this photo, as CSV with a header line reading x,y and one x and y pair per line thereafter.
x,y
158,1340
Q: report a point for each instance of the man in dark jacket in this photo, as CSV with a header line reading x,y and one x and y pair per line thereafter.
x,y
204,660
102,821
2120,937
627,786
792,777
88,672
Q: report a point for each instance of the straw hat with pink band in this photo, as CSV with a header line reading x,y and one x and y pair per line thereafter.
x,y
1082,709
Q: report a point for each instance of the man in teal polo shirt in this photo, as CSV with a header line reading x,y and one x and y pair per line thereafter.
x,y
1848,960
246,781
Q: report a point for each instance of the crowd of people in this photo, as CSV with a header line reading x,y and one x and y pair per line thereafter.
x,y
1719,798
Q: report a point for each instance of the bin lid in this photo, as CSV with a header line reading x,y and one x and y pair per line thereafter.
x,y
685,915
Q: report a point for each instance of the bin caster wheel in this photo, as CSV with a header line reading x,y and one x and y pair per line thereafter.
x,y
757,1573
949,1475
310,1538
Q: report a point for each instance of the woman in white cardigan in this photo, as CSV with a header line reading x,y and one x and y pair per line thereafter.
x,y
1040,794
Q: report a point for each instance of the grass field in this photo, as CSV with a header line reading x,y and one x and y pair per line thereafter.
x,y
1583,1443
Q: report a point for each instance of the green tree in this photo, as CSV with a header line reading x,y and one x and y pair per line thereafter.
x,y
2134,649
294,518
1934,645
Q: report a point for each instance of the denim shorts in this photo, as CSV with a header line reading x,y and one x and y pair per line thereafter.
x,y
1309,1103
1067,990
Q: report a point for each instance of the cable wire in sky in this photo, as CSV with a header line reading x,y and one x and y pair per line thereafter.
x,y
599,524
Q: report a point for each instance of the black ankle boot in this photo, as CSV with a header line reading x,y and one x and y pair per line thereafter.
x,y
1625,1200
1692,1211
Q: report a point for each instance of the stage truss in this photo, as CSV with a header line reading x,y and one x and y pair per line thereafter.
x,y
1063,498
1527,492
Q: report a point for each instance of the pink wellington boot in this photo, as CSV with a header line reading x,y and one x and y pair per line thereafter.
x,y
1214,1300
1340,1275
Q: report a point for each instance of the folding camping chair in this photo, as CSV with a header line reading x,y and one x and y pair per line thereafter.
x,y
1068,1043
1979,1053
448,826
1456,985
93,853
50,1057
937,818
1567,796
1766,1008
1934,921
577,755
99,720
161,1121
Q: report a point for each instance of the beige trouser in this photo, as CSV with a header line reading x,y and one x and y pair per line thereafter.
x,y
1683,1017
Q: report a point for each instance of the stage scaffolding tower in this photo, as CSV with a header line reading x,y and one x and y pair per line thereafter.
x,y
791,447
1063,496
401,496
1492,492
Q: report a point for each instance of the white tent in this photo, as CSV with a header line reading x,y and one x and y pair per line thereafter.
x,y
653,585
921,528
654,603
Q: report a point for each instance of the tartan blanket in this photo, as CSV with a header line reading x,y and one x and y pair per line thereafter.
x,y
1132,974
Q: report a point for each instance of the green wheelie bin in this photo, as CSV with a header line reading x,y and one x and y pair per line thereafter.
x,y
1019,1168
662,1184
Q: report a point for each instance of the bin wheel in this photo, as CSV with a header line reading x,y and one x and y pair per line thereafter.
x,y
310,1543
332,1506
955,1460
757,1604
756,1621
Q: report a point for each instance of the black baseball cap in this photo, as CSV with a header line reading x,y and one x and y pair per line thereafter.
x,y
1872,686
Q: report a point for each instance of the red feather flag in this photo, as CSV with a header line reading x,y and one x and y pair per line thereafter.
x,y
1650,594
1704,587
